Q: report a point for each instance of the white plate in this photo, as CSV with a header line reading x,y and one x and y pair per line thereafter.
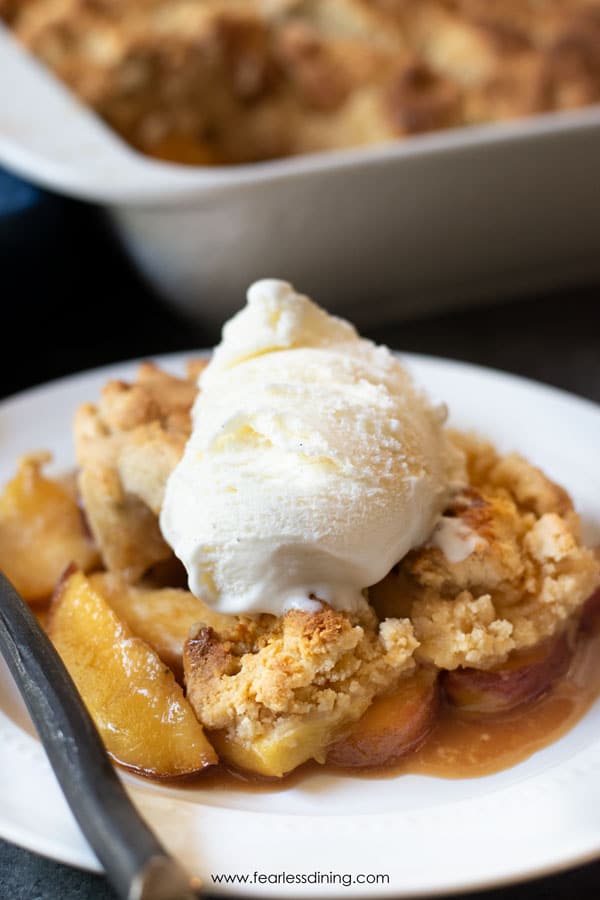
x,y
428,835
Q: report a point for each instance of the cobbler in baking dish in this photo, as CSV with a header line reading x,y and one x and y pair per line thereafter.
x,y
285,555
214,81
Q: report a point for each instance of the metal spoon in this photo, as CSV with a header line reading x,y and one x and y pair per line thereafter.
x,y
135,862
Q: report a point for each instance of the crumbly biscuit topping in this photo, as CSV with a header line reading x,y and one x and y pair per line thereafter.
x,y
212,81
526,576
278,672
126,447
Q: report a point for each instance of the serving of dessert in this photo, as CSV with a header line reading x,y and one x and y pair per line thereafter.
x,y
286,556
221,82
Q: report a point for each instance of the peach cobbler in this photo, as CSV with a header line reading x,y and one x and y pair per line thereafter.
x,y
233,81
286,555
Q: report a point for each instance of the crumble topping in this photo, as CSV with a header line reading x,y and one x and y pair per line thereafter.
x,y
524,579
126,447
211,81
284,673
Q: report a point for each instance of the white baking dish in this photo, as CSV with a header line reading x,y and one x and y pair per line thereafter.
x,y
394,230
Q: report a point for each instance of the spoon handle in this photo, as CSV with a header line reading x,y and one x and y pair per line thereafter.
x,y
135,862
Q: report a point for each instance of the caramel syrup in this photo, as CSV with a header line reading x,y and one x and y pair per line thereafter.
x,y
466,747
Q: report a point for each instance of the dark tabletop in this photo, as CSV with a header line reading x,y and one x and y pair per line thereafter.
x,y
72,302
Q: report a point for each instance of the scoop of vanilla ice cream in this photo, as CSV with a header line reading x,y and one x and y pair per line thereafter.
x,y
313,466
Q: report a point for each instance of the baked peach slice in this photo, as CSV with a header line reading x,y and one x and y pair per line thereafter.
x,y
278,752
41,530
145,721
162,617
392,726
524,676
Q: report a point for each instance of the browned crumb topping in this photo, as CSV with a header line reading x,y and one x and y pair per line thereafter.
x,y
285,673
527,575
209,81
126,447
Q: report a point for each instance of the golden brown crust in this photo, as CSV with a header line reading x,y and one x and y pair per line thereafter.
x,y
126,448
419,99
282,674
216,81
526,577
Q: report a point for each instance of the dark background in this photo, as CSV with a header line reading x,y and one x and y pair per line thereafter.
x,y
71,301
